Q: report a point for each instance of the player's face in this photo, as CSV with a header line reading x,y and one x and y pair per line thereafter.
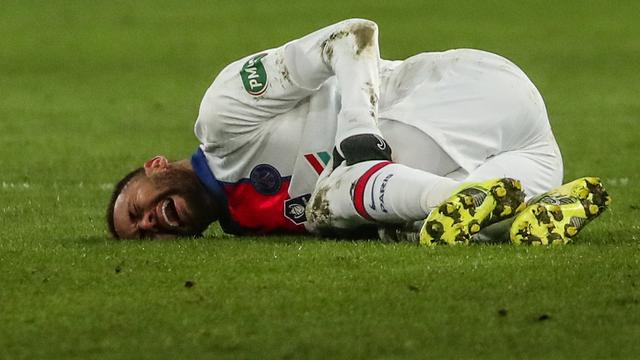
x,y
162,203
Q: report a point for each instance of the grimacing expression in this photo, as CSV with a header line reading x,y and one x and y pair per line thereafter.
x,y
165,202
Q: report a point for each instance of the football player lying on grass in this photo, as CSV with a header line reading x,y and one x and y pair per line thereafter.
x,y
298,139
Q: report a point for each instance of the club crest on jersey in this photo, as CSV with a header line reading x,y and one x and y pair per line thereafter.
x,y
318,161
294,209
265,179
254,76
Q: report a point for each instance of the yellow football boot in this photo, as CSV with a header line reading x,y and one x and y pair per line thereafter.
x,y
558,215
589,190
472,207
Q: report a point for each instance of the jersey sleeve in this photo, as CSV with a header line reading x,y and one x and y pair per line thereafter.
x,y
250,92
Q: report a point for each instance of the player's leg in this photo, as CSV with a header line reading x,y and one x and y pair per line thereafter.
x,y
553,213
474,204
381,192
414,148
332,207
363,192
376,191
403,193
538,166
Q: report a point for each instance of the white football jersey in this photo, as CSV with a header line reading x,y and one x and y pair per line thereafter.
x,y
274,114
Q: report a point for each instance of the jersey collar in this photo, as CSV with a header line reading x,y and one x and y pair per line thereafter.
x,y
205,175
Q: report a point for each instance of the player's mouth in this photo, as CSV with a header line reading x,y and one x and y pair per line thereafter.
x,y
170,213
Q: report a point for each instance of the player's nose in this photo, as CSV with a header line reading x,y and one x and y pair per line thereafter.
x,y
148,221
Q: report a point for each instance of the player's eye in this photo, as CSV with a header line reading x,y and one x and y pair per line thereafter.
x,y
134,212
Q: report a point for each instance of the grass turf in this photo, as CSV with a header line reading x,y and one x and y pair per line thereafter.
x,y
89,90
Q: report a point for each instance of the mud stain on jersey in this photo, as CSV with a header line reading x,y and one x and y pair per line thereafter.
x,y
327,46
284,71
364,36
373,98
328,53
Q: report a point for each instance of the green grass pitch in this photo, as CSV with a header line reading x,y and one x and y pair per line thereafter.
x,y
90,89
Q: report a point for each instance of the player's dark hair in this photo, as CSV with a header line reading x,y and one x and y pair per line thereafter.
x,y
114,195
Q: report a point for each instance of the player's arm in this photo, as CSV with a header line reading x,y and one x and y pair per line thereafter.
x,y
349,50
261,86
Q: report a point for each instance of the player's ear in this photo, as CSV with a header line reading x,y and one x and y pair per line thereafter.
x,y
155,165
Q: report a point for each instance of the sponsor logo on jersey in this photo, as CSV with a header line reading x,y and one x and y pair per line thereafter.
x,y
318,161
294,209
265,179
254,76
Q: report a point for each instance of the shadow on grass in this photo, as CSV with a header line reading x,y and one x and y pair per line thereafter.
x,y
360,235
95,240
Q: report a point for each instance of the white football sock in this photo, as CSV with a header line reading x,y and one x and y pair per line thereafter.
x,y
397,193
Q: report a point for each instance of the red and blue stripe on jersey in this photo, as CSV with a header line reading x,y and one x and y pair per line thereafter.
x,y
249,210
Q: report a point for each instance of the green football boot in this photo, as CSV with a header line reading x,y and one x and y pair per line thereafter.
x,y
472,207
558,215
